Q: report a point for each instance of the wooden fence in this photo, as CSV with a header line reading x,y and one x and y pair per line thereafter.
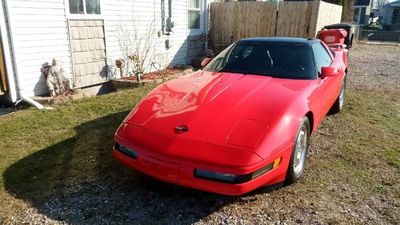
x,y
230,21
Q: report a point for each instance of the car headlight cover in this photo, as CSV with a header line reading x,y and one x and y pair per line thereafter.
x,y
236,179
224,177
127,151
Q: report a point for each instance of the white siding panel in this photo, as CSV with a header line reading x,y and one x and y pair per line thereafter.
x,y
40,34
136,16
25,16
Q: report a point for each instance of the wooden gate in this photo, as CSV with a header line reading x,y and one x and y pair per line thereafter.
x,y
3,78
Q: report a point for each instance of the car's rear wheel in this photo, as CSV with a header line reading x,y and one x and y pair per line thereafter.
x,y
299,153
339,103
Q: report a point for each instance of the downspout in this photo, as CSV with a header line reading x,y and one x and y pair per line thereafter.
x,y
163,16
11,68
207,19
34,103
169,19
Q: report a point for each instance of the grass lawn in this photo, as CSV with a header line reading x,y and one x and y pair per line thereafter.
x,y
44,152
41,151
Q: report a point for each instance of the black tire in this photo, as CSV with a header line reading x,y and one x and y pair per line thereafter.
x,y
337,107
294,172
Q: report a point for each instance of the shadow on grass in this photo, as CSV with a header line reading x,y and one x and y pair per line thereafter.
x,y
79,182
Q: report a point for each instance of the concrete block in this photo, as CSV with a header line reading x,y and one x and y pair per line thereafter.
x,y
59,100
174,76
123,84
146,82
43,100
188,71
158,81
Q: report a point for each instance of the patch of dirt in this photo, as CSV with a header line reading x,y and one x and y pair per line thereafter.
x,y
375,67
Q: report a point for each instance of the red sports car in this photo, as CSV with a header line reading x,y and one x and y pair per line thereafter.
x,y
242,122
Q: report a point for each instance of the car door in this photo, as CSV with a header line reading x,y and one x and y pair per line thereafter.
x,y
324,97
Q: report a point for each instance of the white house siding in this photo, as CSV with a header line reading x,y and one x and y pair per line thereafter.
x,y
137,16
195,47
39,33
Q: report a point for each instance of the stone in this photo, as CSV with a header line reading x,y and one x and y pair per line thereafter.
x,y
56,82
158,81
187,71
146,82
42,100
60,100
76,96
122,84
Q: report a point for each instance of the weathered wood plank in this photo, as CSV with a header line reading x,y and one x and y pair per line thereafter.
x,y
327,14
295,19
230,21
3,78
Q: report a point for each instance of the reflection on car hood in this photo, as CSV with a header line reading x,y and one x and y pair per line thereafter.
x,y
212,105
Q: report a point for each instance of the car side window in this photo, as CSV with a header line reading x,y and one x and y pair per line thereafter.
x,y
322,56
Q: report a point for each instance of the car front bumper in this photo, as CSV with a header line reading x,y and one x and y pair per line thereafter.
x,y
181,172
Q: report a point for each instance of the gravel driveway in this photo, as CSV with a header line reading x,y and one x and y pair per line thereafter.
x,y
328,193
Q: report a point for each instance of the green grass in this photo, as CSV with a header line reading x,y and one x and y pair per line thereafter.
x,y
374,120
363,150
54,148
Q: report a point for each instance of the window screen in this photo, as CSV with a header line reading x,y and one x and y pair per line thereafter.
x,y
194,14
76,6
84,7
92,6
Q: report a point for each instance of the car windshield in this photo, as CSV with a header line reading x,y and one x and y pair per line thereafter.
x,y
280,60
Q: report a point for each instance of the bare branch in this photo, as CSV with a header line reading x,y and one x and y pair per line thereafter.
x,y
137,47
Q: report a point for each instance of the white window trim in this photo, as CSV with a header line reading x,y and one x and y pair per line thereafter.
x,y
201,9
84,16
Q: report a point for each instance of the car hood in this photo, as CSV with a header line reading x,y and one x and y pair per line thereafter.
x,y
225,109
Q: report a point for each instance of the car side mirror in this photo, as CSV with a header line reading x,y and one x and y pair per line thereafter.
x,y
327,71
205,62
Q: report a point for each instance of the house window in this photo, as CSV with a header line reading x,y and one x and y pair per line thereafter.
x,y
194,14
396,16
84,7
356,15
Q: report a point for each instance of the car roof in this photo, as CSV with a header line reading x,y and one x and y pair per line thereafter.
x,y
280,40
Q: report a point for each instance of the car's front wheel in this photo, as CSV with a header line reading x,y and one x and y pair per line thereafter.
x,y
299,153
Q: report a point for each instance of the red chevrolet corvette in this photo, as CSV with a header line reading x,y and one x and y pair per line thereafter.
x,y
242,122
